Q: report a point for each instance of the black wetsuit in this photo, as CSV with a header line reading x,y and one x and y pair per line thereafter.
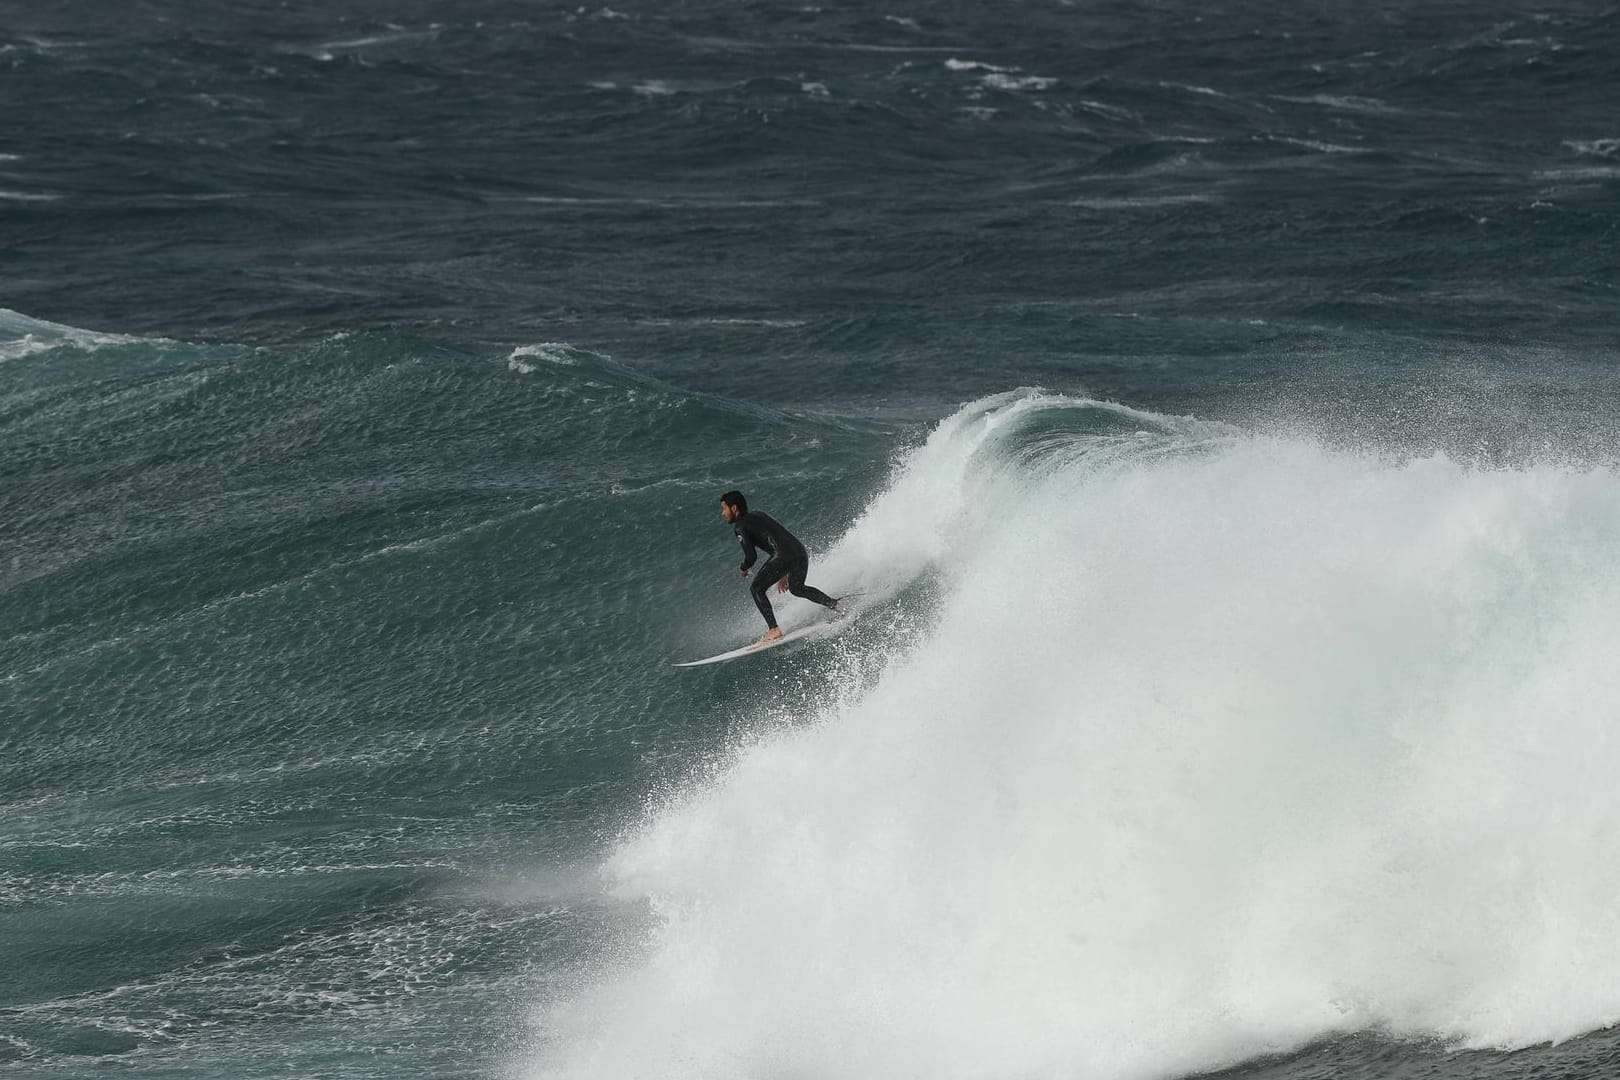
x,y
759,529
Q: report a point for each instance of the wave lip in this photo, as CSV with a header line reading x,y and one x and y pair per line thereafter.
x,y
1214,745
22,336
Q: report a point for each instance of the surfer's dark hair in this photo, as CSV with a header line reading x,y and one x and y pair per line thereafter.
x,y
735,500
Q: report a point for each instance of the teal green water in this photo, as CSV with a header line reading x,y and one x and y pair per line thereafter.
x,y
343,737
1215,408
314,656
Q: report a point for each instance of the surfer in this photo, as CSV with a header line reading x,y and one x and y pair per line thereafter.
x,y
786,567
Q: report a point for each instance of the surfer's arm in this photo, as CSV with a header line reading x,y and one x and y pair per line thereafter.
x,y
749,554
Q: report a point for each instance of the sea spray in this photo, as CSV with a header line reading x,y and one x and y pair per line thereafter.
x,y
1215,745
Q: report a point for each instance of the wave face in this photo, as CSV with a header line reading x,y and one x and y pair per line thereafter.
x,y
335,688
1202,746
369,373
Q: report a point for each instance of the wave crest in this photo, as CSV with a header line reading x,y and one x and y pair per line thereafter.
x,y
1214,745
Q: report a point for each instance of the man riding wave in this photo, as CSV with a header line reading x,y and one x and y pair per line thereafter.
x,y
787,566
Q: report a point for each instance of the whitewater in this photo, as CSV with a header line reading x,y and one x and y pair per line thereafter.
x,y
1242,696
1168,745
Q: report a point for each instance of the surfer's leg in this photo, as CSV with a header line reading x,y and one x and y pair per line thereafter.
x,y
767,576
797,587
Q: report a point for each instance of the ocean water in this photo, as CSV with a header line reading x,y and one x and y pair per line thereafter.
x,y
1215,406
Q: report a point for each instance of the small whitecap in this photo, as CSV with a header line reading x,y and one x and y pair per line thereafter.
x,y
1013,83
1594,147
954,64
1191,88
1112,111
550,352
1589,172
1342,102
1320,147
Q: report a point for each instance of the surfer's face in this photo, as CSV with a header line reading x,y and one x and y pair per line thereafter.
x,y
727,512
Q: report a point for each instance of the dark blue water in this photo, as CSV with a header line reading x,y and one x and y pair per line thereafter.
x,y
1215,406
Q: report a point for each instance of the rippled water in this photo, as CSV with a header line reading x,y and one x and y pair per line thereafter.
x,y
1239,699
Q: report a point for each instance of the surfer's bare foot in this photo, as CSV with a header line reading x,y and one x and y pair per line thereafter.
x,y
839,611
770,635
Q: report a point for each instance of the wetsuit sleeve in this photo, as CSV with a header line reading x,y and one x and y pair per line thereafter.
x,y
749,554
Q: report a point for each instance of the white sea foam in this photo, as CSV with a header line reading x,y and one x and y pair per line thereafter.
x,y
547,352
21,336
1216,744
1319,146
1138,202
1113,112
1343,102
1000,81
1002,78
954,64
1590,172
1597,147
398,35
1207,91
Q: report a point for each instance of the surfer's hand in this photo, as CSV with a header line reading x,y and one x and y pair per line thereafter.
x,y
781,586
742,571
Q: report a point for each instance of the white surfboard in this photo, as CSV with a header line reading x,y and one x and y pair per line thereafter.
x,y
815,629
764,646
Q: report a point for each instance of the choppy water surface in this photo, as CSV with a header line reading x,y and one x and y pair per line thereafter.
x,y
1215,406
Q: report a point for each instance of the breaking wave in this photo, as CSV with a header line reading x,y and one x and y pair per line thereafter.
x,y
1212,744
